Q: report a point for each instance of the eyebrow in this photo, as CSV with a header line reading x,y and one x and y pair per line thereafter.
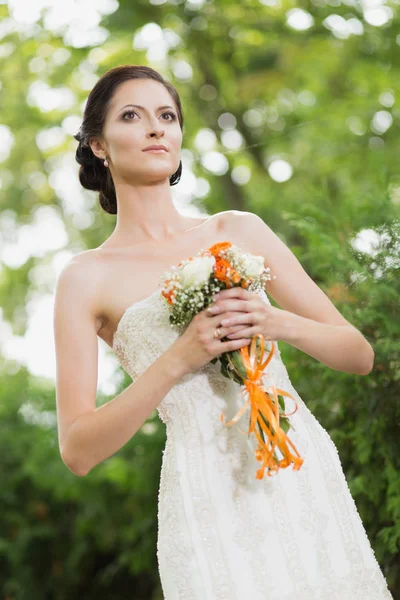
x,y
142,107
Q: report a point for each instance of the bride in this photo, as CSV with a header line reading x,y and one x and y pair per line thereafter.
x,y
222,534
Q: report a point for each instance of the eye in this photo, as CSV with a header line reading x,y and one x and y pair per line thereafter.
x,y
132,112
128,112
173,116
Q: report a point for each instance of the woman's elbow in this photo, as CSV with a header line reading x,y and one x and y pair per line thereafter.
x,y
368,363
74,464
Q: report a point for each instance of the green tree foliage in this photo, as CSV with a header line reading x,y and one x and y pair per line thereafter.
x,y
62,536
323,99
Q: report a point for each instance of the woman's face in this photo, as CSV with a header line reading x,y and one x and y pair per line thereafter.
x,y
129,129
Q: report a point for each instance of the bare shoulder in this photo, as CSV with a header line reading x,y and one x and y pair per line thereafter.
x,y
229,220
236,218
81,267
243,227
79,281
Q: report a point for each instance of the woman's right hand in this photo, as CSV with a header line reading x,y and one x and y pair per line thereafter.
x,y
197,344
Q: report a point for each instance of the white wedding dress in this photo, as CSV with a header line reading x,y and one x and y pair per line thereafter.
x,y
222,533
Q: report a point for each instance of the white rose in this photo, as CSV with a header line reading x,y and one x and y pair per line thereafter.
x,y
197,271
253,265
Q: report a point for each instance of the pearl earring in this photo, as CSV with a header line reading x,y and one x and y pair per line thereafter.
x,y
105,162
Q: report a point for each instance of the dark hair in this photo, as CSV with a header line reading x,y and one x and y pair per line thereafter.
x,y
93,175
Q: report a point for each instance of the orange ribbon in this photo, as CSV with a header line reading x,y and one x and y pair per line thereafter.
x,y
264,408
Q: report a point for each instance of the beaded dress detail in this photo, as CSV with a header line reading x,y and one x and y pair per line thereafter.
x,y
222,533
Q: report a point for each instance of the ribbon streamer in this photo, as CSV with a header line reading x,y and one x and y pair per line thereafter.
x,y
264,412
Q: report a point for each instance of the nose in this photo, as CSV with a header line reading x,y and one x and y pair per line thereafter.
x,y
156,135
156,128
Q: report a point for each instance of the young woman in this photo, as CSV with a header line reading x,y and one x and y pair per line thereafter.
x,y
223,534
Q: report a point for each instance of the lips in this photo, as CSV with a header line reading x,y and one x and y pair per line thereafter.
x,y
155,148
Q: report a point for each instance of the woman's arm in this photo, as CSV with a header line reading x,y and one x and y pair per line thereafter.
x,y
340,347
95,436
308,319
89,434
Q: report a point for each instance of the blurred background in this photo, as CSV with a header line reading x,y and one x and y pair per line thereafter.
x,y
291,112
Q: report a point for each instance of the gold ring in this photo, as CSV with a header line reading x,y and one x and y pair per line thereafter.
x,y
217,333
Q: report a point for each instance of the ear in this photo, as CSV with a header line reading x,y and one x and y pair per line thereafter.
x,y
97,148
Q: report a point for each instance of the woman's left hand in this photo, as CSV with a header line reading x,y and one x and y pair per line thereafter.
x,y
248,309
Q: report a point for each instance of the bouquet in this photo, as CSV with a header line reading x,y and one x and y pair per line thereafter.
x,y
188,288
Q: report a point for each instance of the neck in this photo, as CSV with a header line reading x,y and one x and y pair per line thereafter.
x,y
147,214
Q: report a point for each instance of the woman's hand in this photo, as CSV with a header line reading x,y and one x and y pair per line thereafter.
x,y
249,313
